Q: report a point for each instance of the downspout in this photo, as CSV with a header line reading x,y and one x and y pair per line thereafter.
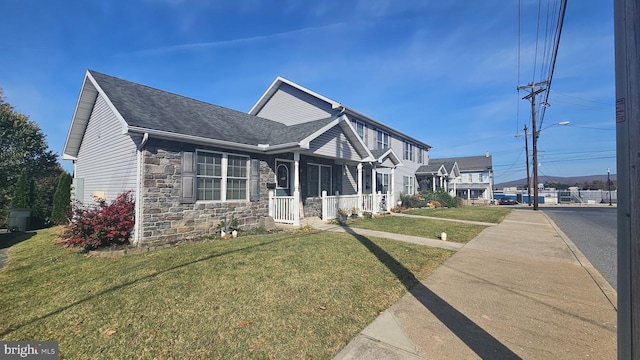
x,y
139,177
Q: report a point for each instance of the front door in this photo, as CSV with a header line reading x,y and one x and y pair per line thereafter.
x,y
284,178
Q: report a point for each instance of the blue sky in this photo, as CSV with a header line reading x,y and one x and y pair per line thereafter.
x,y
444,72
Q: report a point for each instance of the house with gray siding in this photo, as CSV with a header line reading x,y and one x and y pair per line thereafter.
x,y
192,164
470,177
290,103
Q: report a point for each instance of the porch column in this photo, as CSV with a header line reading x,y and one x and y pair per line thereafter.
x,y
468,194
433,183
296,188
360,187
392,196
374,188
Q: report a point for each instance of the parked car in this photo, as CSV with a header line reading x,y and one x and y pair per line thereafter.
x,y
507,201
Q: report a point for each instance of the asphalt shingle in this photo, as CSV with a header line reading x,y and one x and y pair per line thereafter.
x,y
149,108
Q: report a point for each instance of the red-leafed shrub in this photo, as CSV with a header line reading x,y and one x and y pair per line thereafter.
x,y
102,224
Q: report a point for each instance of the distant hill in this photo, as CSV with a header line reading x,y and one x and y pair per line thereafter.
x,y
571,181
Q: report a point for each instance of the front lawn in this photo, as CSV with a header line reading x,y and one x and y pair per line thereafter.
x,y
285,295
489,214
427,228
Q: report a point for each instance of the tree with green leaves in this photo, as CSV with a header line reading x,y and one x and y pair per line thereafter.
x,y
24,192
62,200
23,147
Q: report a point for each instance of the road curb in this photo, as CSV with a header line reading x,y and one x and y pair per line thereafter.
x,y
607,290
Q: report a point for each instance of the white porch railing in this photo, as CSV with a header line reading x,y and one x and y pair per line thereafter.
x,y
282,209
373,203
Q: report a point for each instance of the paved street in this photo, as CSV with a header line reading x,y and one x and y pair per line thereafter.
x,y
594,231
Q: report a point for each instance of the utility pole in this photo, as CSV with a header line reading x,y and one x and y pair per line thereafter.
x,y
626,30
526,150
535,133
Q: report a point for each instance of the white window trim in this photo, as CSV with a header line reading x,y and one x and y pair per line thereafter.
x,y
409,149
290,166
223,182
409,185
320,178
357,122
380,135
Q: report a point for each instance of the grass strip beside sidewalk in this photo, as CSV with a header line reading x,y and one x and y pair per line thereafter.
x,y
426,228
488,214
285,295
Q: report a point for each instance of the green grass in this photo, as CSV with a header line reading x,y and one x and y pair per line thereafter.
x,y
428,228
489,214
284,295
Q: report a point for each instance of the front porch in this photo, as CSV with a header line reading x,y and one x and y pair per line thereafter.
x,y
297,194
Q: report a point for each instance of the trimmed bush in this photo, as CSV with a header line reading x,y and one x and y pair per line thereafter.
x,y
62,200
102,224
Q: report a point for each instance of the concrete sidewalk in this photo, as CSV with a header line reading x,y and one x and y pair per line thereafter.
x,y
519,290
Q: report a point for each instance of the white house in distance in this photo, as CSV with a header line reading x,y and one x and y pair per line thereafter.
x,y
469,177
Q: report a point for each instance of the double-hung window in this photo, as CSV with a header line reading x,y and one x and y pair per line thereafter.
x,y
222,177
382,140
420,156
408,151
409,188
361,129
318,179
382,182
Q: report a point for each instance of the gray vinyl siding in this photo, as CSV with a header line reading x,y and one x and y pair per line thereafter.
x,y
290,106
333,143
349,180
409,169
106,159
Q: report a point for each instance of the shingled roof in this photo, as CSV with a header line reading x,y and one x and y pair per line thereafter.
x,y
469,163
146,109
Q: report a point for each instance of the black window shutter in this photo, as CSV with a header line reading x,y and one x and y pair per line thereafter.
x,y
254,178
188,193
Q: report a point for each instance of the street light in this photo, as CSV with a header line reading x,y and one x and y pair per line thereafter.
x,y
536,134
609,185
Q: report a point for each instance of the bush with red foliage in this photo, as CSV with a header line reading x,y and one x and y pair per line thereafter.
x,y
101,225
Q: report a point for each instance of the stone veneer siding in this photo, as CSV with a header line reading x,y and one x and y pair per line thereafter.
x,y
313,207
165,219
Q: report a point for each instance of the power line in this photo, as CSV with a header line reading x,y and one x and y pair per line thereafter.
x,y
563,9
580,98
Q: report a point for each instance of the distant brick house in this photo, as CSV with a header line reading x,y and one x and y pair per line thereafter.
x,y
192,164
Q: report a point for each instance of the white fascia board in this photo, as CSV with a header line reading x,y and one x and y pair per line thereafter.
x,y
79,120
265,96
393,156
159,134
351,133
274,87
386,127
123,122
305,142
442,171
455,170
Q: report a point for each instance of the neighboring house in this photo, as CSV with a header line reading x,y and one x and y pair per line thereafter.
x,y
469,177
192,164
438,174
289,103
